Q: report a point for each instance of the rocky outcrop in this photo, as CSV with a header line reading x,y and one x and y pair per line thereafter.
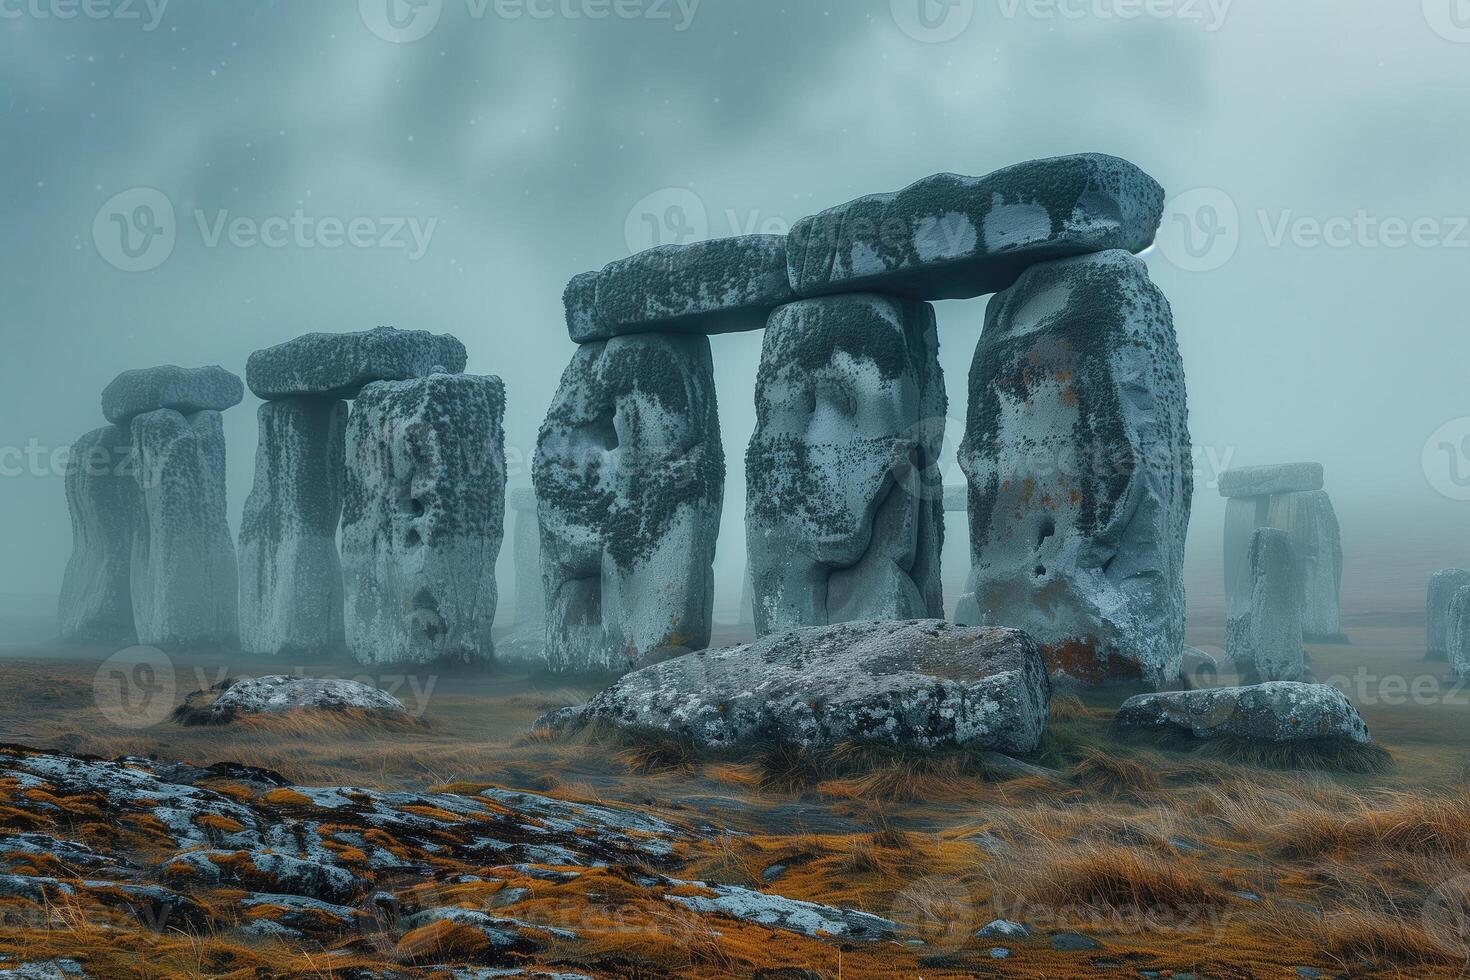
x,y
102,494
339,365
1443,585
844,512
279,695
183,576
422,519
953,237
1078,459
1274,712
1266,642
183,390
629,476
1267,481
290,572
922,683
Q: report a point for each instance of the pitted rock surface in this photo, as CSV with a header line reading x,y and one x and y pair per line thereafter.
x,y
279,694
1277,711
339,365
183,390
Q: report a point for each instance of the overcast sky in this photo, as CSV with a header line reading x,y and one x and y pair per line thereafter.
x,y
518,142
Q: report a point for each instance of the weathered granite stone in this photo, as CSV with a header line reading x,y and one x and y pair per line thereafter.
x,y
237,697
1267,640
953,237
920,683
527,641
184,390
422,519
1308,517
291,599
1278,711
102,494
844,503
1443,585
1264,481
338,365
184,579
725,285
1078,459
1243,516
1457,633
629,476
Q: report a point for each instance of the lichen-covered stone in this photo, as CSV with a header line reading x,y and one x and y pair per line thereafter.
x,y
1267,640
278,694
290,573
1443,585
629,476
953,237
1264,481
921,683
422,519
1457,633
102,494
1316,537
844,502
1078,458
338,365
184,579
184,390
1275,712
725,285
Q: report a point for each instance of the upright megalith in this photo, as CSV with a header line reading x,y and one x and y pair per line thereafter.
x,y
527,641
339,365
102,494
183,574
290,574
844,512
1457,633
422,519
1266,642
184,390
1443,585
1078,459
629,476
953,237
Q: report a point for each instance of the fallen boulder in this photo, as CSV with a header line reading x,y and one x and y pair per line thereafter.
x,y
185,390
277,695
339,365
1277,711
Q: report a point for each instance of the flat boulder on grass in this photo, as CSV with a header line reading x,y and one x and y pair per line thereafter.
x,y
185,390
1276,712
339,365
1267,481
278,694
922,683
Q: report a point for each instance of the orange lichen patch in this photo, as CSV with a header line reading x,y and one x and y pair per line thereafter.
x,y
13,819
433,813
284,797
234,791
1081,660
444,940
215,821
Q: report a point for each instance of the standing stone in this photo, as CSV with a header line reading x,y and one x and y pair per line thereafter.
x,y
422,519
629,480
1267,641
1243,515
844,512
1266,481
1443,585
339,365
1458,633
184,579
185,390
527,641
290,573
102,495
1079,464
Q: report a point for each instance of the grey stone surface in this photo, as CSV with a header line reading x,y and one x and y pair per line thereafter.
x,y
1278,711
629,476
423,518
96,602
1264,481
183,573
845,503
338,365
1267,640
1457,633
953,237
1443,585
184,390
1316,537
278,694
291,599
920,683
1078,459
725,285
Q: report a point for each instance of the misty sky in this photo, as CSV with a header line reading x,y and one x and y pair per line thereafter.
x,y
520,146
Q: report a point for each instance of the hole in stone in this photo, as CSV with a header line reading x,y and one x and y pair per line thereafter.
x,y
1048,528
414,538
1041,571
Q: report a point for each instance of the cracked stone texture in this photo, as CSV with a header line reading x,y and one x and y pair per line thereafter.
x,y
184,390
1316,537
845,506
954,237
725,285
185,587
1278,711
422,519
1078,459
96,602
1443,585
339,365
922,683
629,477
1265,481
1267,639
291,598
